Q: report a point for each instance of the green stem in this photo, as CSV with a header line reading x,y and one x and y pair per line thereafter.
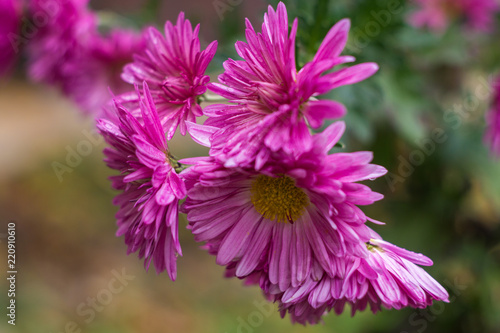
x,y
210,97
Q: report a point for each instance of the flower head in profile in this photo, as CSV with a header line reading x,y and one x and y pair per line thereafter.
x,y
174,68
151,188
272,102
10,24
292,218
438,14
387,277
492,136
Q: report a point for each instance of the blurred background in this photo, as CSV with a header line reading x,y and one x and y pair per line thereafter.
x,y
423,115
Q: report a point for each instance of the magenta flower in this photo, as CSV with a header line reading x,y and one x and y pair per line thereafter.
x,y
272,101
70,27
69,52
148,214
10,23
96,70
387,277
492,136
292,218
437,14
174,68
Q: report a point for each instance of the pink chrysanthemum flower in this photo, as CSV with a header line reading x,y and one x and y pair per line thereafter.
x,y
148,214
97,69
10,23
70,26
437,14
387,277
174,68
492,136
272,101
291,218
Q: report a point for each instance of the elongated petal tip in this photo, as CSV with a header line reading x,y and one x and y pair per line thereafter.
x,y
101,124
212,47
372,67
379,171
344,24
152,34
331,135
181,17
339,128
201,134
145,87
375,221
318,111
281,7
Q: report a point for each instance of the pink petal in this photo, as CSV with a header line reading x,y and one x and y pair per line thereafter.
x,y
317,111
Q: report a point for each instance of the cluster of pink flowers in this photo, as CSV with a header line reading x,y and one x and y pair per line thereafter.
x,y
270,202
437,15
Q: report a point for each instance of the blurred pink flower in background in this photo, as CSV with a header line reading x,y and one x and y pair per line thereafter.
x,y
96,70
10,24
69,29
492,136
70,53
437,15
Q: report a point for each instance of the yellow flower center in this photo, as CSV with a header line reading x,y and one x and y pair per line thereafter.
x,y
278,199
